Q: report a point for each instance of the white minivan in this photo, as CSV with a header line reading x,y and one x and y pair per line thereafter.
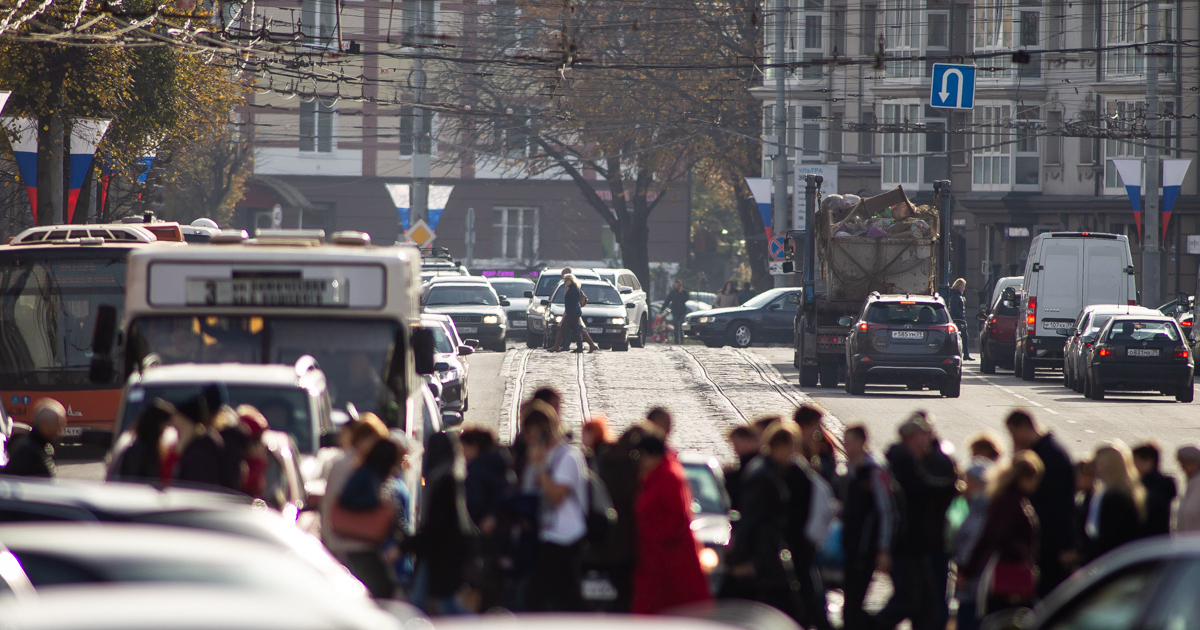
x,y
1065,272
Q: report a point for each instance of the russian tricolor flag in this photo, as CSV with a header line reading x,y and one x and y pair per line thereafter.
x,y
86,134
22,134
761,189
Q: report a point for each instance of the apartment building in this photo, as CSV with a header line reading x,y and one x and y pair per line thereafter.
x,y
1061,87
328,161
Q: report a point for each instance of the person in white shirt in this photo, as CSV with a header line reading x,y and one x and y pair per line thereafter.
x,y
1187,519
557,471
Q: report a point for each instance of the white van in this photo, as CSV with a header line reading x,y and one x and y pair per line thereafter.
x,y
1065,272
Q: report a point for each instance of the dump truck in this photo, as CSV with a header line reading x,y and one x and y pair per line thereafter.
x,y
881,244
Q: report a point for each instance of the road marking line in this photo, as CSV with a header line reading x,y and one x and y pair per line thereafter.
x,y
514,411
1028,400
583,402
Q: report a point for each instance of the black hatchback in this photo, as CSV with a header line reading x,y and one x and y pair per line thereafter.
x,y
906,340
1140,353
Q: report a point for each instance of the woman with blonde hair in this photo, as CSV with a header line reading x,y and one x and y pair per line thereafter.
x,y
1117,509
1004,560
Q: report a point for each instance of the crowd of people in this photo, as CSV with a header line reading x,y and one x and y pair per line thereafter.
x,y
545,524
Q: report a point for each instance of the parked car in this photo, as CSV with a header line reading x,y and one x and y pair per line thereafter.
x,y
1080,338
997,334
604,316
514,290
632,293
764,318
903,339
477,311
1003,283
449,369
1065,272
547,281
1140,353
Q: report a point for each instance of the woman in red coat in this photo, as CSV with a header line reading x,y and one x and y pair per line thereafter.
x,y
668,570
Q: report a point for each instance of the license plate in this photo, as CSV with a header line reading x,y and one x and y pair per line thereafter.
x,y
1141,352
595,331
1057,325
520,323
73,431
468,329
598,589
908,334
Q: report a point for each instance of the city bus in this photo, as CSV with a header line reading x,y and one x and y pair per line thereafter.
x,y
52,279
272,300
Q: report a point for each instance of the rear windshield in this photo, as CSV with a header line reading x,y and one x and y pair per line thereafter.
x,y
1007,308
1143,331
898,313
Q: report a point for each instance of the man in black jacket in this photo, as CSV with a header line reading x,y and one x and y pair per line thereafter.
x,y
1054,500
927,477
868,521
1160,489
33,454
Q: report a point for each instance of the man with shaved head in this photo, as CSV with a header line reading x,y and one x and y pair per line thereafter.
x,y
33,454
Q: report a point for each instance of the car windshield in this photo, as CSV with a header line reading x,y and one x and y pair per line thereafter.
x,y
441,341
512,288
352,353
286,408
706,493
763,299
47,303
1127,331
547,281
597,294
901,313
454,295
608,276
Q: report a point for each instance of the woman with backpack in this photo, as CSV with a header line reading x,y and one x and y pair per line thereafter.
x,y
668,570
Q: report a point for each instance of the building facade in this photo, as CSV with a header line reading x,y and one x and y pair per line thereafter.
x,y
1061,92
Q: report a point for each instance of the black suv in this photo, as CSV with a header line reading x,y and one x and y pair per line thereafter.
x,y
903,339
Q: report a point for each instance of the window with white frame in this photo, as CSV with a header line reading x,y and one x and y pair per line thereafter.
x,y
809,131
901,150
991,167
1126,26
318,22
902,35
812,19
517,229
993,24
1027,163
318,120
411,141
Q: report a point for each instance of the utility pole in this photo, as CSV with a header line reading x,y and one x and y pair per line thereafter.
x,y
779,169
421,142
469,237
1151,254
941,189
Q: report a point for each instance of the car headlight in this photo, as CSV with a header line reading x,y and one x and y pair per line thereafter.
x,y
620,321
539,309
491,319
558,319
704,320
449,375
709,560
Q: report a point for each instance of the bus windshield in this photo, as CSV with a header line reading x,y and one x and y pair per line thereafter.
x,y
46,306
352,352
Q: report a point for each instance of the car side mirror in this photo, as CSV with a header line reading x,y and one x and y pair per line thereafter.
x,y
474,343
631,305
789,267
545,302
465,350
451,419
529,294
101,368
846,321
504,302
626,290
1063,332
774,307
423,346
981,317
441,366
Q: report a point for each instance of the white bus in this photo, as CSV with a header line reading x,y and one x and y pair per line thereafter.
x,y
350,305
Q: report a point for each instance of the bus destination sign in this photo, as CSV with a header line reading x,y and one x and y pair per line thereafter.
x,y
268,292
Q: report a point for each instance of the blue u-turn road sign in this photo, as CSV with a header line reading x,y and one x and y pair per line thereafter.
x,y
953,86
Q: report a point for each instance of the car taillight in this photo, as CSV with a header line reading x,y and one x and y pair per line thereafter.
x,y
1104,351
870,326
949,329
1185,323
1132,302
1181,352
1031,318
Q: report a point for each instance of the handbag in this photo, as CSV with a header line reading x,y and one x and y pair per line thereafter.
x,y
1013,581
372,526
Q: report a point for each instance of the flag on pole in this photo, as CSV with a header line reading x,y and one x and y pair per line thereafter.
x,y
1130,171
400,198
22,134
1172,180
86,134
761,189
439,196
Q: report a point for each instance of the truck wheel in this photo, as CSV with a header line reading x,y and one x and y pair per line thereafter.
x,y
951,389
533,341
808,376
829,374
987,365
1187,392
740,334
